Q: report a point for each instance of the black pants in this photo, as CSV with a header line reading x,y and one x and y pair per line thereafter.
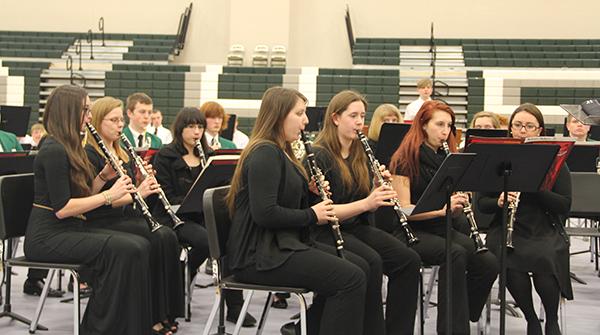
x,y
385,255
546,285
194,235
339,286
470,291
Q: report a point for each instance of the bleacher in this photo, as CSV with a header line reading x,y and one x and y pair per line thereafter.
x,y
248,82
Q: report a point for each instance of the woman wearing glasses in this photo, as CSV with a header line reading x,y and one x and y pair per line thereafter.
x,y
540,243
66,189
164,274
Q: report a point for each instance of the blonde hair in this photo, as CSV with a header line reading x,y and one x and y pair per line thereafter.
x,y
491,115
425,82
100,109
381,112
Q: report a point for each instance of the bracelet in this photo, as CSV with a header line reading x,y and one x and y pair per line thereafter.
x,y
102,178
107,198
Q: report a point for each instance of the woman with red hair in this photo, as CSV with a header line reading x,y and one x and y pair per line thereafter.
x,y
414,164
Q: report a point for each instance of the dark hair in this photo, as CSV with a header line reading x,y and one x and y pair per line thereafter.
x,y
531,109
62,119
186,117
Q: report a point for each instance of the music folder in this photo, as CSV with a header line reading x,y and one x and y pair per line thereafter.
x,y
477,132
217,172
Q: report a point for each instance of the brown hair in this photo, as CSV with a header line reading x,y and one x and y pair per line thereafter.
x,y
380,113
277,103
100,109
531,109
214,109
140,97
328,140
491,115
425,82
62,119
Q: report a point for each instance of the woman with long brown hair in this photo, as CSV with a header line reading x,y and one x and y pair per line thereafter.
x,y
165,274
66,189
341,156
413,165
270,241
541,246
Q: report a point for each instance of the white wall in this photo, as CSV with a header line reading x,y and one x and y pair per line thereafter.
x,y
313,30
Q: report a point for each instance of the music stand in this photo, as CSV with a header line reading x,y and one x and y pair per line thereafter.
x,y
588,112
484,133
217,172
446,180
315,115
583,157
15,119
228,132
390,137
16,162
508,167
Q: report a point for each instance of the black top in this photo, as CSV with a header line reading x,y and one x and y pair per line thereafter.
x,y
429,163
540,242
339,193
52,176
98,162
272,213
175,178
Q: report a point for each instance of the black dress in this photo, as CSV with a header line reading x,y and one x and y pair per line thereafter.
x,y
540,242
118,263
384,253
271,244
469,292
165,270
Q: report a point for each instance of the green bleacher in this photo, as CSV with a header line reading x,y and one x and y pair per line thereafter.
x,y
378,86
557,95
31,72
248,82
476,93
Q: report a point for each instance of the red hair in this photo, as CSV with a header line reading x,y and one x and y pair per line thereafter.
x,y
406,157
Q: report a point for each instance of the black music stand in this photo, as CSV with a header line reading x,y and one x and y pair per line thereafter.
x,y
217,172
15,119
588,112
583,157
16,162
446,180
390,137
315,115
508,167
228,132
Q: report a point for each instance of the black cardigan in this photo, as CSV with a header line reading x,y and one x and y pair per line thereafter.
x,y
272,214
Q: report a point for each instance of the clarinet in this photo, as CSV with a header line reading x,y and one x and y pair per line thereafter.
x,y
468,210
201,153
512,215
177,222
317,175
375,169
137,198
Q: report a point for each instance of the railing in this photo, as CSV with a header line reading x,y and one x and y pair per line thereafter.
x,y
101,28
90,40
72,75
184,21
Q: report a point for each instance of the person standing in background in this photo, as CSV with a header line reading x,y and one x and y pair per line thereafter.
x,y
215,115
157,128
425,89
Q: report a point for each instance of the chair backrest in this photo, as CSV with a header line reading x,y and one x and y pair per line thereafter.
x,y
261,49
278,49
585,186
16,199
217,220
237,48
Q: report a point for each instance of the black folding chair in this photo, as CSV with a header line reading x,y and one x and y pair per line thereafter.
x,y
218,222
16,199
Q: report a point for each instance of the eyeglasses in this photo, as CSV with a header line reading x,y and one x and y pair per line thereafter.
x,y
116,120
528,126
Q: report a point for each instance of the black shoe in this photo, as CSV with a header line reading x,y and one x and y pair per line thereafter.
x,y
35,287
281,303
290,328
86,291
249,320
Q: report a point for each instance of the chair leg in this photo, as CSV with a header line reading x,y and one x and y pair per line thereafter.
x,y
421,324
76,302
187,288
213,311
303,307
41,302
264,314
432,277
242,316
563,316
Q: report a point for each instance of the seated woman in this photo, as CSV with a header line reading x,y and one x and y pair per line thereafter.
x,y
342,158
66,189
165,273
541,246
414,164
385,113
485,120
270,242
177,167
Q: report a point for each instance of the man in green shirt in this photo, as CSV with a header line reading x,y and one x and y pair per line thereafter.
x,y
139,110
